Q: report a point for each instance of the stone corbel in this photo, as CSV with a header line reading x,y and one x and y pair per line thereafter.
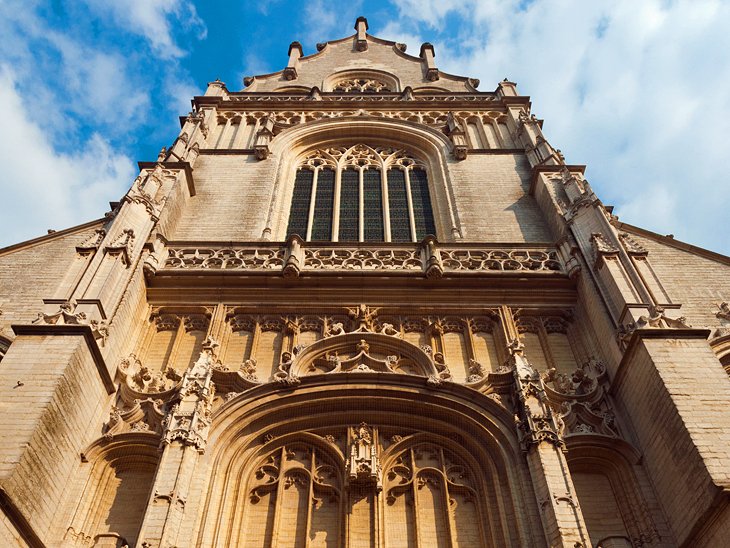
x,y
263,138
457,136
433,268
294,257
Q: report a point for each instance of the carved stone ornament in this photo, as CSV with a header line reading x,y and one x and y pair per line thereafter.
x,y
724,312
93,242
602,249
66,315
189,420
363,465
655,319
535,421
122,245
632,247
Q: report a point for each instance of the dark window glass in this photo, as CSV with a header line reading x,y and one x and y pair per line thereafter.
x,y
373,201
349,206
322,223
400,227
422,212
299,213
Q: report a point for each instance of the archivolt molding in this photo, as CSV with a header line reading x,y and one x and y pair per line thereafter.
x,y
365,436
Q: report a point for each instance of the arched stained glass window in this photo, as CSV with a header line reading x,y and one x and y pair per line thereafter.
x,y
361,194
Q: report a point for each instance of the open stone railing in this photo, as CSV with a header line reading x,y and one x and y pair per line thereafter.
x,y
429,257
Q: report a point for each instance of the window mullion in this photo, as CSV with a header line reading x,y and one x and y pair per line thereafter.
x,y
409,197
310,221
385,202
336,205
361,205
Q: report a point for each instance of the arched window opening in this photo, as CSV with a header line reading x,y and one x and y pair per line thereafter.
x,y
361,194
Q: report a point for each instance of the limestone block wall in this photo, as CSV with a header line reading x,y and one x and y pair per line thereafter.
x,y
32,271
492,197
232,199
234,193
697,282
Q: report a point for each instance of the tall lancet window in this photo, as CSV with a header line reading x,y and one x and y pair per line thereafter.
x,y
361,194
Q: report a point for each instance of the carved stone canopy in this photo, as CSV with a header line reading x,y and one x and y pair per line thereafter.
x,y
363,352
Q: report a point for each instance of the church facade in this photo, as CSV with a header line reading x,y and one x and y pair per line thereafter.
x,y
362,304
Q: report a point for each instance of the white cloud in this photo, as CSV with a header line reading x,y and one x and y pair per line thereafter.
x,y
48,189
154,19
637,91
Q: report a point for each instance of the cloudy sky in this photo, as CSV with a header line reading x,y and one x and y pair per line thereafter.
x,y
639,90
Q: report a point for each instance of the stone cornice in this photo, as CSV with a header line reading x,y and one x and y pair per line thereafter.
x,y
337,101
73,330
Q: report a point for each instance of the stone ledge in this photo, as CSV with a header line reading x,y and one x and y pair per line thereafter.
x,y
71,329
653,333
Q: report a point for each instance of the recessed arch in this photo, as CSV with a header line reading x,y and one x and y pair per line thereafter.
x,y
425,143
476,428
117,480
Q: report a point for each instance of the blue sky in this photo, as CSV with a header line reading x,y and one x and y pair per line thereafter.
x,y
639,90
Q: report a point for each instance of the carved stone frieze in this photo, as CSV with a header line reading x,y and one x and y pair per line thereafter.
x,y
317,258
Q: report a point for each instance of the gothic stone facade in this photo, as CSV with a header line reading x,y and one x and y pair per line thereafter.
x,y
361,303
